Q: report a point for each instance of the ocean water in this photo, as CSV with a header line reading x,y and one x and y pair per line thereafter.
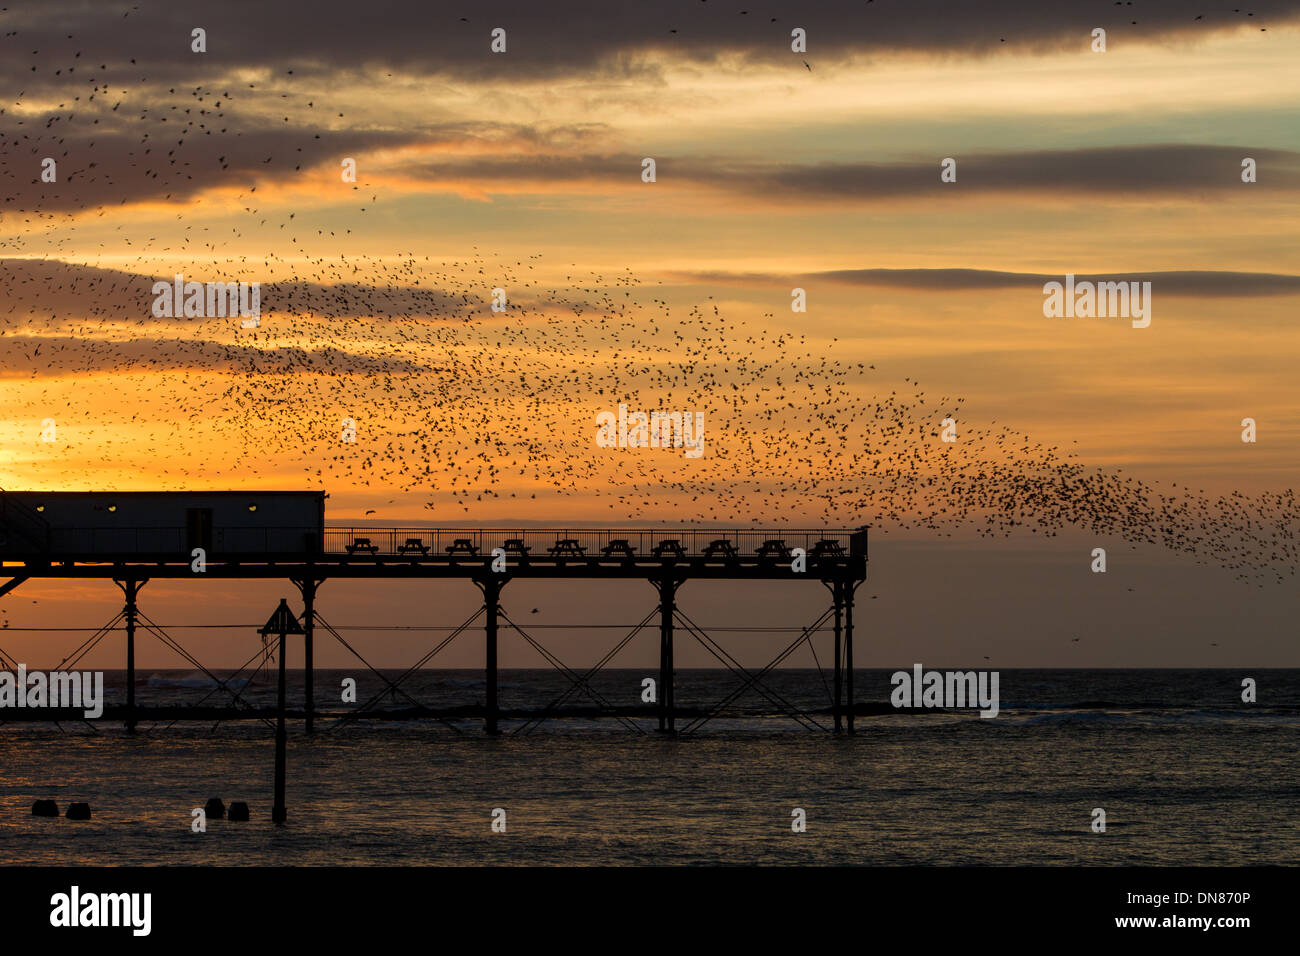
x,y
1186,773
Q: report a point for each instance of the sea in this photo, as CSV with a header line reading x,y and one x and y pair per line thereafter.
x,y
1183,770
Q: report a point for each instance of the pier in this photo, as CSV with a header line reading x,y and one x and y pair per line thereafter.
x,y
237,535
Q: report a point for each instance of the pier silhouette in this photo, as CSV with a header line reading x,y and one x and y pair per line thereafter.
x,y
134,537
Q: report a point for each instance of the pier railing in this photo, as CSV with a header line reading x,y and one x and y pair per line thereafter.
x,y
592,543
446,544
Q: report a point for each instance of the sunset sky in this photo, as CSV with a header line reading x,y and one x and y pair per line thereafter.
x,y
774,170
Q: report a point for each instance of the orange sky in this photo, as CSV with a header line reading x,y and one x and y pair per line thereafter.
x,y
775,170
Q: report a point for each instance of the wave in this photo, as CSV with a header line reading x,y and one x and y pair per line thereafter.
x,y
196,681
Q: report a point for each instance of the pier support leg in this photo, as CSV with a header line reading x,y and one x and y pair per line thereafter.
x,y
278,812
667,588
307,586
837,593
491,587
846,591
130,589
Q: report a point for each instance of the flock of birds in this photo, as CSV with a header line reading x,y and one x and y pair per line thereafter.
x,y
450,400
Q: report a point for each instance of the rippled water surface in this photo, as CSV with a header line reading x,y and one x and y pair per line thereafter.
x,y
1185,771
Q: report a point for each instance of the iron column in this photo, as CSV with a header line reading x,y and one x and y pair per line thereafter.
x,y
491,587
847,591
308,588
130,588
667,588
278,812
837,594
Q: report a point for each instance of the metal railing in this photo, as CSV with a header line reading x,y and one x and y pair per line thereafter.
x,y
576,543
569,544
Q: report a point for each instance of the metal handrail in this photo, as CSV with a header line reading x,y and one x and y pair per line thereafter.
x,y
540,542
536,543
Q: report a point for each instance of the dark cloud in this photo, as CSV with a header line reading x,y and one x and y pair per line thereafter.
x,y
567,37
121,165
1164,170
121,172
131,114
52,289
45,356
1186,283
1156,169
48,293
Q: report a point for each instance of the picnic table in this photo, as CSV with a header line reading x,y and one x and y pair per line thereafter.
x,y
619,545
567,547
773,548
669,546
362,544
828,548
721,546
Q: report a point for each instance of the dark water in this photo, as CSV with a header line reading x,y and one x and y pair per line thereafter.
x,y
1186,773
